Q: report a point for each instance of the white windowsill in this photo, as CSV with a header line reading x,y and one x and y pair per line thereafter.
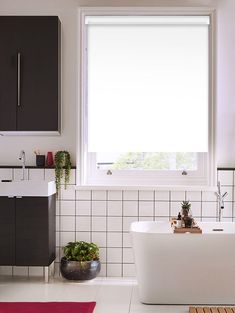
x,y
156,187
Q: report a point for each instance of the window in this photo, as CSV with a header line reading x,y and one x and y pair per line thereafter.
x,y
147,83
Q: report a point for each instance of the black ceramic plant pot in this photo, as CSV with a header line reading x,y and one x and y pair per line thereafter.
x,y
74,270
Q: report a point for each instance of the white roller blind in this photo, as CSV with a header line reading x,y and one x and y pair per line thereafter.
x,y
147,83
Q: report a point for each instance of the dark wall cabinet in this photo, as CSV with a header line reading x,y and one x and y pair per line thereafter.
x,y
30,73
27,231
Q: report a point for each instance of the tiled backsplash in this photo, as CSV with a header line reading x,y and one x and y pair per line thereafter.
x,y
104,216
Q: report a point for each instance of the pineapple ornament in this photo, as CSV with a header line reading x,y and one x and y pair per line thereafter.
x,y
186,214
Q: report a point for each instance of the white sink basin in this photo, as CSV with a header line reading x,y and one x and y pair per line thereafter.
x,y
27,188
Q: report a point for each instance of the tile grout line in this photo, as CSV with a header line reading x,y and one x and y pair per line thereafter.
x,y
106,233
201,206
75,215
138,208
122,240
169,206
91,215
154,205
233,199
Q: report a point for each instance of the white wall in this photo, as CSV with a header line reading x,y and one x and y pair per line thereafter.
x,y
67,11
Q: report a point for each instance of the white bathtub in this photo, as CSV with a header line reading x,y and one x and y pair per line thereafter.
x,y
184,268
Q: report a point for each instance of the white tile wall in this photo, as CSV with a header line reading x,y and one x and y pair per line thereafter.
x,y
193,195
162,195
114,223
146,208
114,208
175,208
6,270
196,208
67,207
6,173
65,237
83,223
114,239
37,174
99,238
127,240
83,194
20,271
209,209
208,196
228,210
83,207
114,255
130,208
67,193
99,195
130,195
83,236
98,223
162,208
98,208
114,270
49,174
146,195
104,217
128,255
36,271
129,270
114,195
17,174
67,223
178,195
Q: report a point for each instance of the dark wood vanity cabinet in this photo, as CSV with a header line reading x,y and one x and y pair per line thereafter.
x,y
27,231
30,73
7,231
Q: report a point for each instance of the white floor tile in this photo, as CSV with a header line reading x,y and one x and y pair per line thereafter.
x,y
57,290
113,298
112,294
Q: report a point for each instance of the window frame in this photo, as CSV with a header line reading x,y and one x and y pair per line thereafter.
x,y
206,176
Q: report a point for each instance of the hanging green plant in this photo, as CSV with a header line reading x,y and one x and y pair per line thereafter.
x,y
62,168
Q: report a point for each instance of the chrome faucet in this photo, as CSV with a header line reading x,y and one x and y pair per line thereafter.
x,y
220,198
22,158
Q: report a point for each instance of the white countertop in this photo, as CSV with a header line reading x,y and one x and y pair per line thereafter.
x,y
27,188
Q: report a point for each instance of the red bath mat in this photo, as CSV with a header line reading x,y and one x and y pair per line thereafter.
x,y
47,307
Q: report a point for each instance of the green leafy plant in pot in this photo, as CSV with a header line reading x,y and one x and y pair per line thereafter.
x,y
186,214
62,168
80,261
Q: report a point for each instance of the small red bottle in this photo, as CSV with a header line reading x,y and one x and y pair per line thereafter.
x,y
50,160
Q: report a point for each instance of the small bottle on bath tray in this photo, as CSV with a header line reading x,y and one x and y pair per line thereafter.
x,y
179,221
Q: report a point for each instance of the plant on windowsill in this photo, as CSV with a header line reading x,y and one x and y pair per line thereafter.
x,y
186,214
62,168
80,261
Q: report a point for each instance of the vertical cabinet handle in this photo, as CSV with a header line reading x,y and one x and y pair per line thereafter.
x,y
18,78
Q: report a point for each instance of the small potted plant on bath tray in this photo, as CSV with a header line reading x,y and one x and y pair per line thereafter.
x,y
80,261
186,214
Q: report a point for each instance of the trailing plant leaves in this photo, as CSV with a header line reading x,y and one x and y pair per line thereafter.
x,y
62,167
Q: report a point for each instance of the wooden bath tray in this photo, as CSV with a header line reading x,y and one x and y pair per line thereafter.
x,y
219,309
193,230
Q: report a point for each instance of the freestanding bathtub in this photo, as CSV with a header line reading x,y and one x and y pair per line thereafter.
x,y
185,268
